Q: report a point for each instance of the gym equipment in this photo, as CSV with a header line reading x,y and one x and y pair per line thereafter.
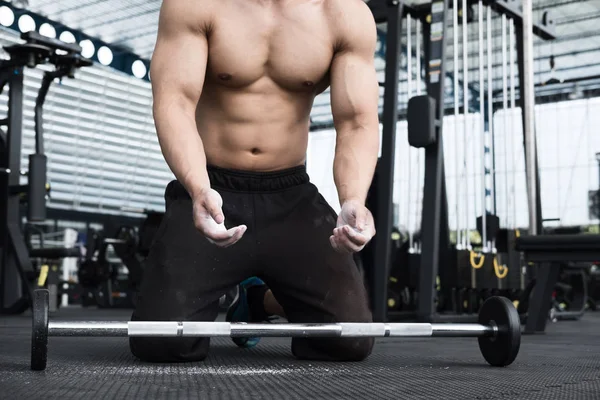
x,y
125,242
498,330
594,197
100,280
106,284
421,121
384,223
16,270
571,294
435,294
549,252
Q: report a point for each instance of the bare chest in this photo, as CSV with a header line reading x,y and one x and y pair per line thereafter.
x,y
292,47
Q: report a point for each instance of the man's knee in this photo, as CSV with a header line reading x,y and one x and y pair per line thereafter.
x,y
360,348
169,350
353,349
343,349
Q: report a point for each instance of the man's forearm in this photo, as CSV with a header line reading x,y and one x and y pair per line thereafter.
x,y
182,147
356,155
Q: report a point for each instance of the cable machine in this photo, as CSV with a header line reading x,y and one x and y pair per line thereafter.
x,y
425,116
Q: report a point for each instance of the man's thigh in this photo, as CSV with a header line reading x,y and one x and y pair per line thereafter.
x,y
184,277
313,282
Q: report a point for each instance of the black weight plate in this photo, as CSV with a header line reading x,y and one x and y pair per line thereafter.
x,y
39,337
502,349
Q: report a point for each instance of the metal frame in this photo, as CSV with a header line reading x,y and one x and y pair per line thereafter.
x,y
434,230
16,269
549,265
15,265
385,182
434,225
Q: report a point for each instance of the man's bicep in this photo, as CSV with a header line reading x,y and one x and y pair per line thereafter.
x,y
354,87
181,53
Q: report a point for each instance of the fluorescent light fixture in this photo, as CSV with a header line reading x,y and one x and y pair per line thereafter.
x,y
26,23
87,48
67,37
48,30
7,16
138,68
105,55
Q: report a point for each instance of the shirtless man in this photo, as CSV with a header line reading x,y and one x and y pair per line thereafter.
x,y
234,82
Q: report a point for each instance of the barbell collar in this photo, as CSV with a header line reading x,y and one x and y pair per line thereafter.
x,y
87,328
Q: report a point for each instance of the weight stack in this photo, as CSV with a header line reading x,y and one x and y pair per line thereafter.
x,y
406,267
414,266
475,278
463,269
449,271
485,276
510,257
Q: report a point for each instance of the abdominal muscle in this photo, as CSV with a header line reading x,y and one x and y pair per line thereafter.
x,y
259,128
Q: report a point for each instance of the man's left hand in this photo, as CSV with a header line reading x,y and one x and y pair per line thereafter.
x,y
355,228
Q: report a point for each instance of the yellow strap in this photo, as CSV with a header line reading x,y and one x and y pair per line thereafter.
x,y
43,275
474,263
501,270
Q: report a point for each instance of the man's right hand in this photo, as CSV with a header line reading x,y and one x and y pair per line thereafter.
x,y
209,219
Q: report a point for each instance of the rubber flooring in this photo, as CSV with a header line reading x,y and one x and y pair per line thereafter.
x,y
562,364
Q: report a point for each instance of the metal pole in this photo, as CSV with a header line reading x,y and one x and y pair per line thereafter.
x,y
598,159
513,106
529,114
465,51
11,286
490,115
409,203
434,196
227,329
386,179
505,120
482,133
455,31
598,192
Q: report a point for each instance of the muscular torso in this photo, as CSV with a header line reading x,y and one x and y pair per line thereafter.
x,y
267,60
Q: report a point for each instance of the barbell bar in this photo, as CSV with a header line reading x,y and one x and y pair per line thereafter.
x,y
237,329
498,330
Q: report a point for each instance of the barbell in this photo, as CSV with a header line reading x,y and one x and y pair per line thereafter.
x,y
498,330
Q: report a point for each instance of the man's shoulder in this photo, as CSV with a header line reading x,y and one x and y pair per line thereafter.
x,y
343,10
351,19
193,13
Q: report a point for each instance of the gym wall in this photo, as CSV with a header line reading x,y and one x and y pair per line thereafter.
x,y
567,140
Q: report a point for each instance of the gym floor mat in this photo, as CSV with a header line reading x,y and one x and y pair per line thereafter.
x,y
562,364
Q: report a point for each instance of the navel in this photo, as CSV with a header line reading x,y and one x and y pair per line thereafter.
x,y
255,150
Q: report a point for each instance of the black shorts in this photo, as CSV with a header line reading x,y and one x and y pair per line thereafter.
x,y
286,244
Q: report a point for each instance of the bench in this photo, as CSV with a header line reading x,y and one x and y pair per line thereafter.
x,y
552,251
